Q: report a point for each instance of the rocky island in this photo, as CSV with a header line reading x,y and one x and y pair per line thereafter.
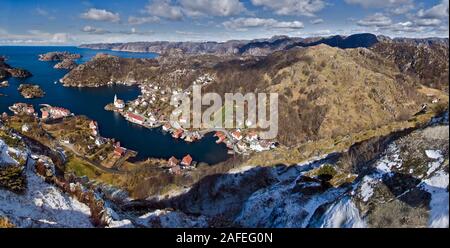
x,y
29,91
66,64
58,56
8,71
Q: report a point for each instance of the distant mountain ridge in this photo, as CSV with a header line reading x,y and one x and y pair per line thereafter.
x,y
261,47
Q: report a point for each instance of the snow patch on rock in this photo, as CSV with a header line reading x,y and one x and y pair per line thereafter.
x,y
438,158
437,186
42,205
342,214
5,158
171,219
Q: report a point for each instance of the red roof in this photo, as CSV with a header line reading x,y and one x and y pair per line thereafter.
x,y
119,151
178,133
219,134
187,160
134,116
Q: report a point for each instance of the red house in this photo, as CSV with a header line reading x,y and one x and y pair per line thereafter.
x,y
119,151
135,118
187,160
177,134
221,137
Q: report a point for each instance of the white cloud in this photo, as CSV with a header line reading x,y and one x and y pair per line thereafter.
x,y
142,20
396,7
164,8
292,7
243,24
212,7
100,15
94,30
177,10
378,3
60,38
99,31
435,17
36,37
439,11
428,22
316,21
375,20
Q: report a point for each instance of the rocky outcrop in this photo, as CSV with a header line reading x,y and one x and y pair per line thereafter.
x,y
19,73
30,91
8,71
58,56
67,64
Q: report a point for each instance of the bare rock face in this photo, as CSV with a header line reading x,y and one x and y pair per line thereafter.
x,y
58,56
67,64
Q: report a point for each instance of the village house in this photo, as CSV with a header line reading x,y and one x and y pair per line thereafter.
x,y
118,103
173,161
135,118
242,146
237,135
263,145
252,136
99,141
178,133
166,127
93,125
19,108
119,151
187,161
221,137
54,113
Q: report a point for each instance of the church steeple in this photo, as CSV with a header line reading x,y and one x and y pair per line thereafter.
x,y
115,98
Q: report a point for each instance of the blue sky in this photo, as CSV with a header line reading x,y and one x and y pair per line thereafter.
x,y
49,22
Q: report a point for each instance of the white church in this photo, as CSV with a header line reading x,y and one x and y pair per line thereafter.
x,y
118,103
